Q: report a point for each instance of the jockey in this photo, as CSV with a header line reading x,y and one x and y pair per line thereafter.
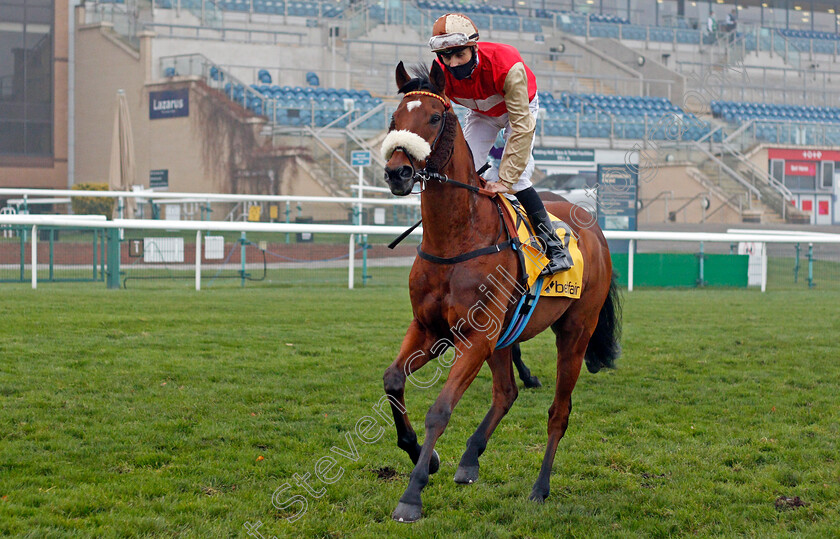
x,y
492,81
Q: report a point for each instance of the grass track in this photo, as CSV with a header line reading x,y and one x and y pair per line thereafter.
x,y
141,413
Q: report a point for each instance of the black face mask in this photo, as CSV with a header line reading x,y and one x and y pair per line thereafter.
x,y
464,71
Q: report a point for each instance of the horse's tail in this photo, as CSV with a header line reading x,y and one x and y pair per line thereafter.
x,y
604,348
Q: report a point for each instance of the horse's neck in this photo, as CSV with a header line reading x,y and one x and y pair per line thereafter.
x,y
455,219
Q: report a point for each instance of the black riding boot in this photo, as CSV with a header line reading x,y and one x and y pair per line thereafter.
x,y
558,255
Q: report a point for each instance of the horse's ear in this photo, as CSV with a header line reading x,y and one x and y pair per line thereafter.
x,y
402,76
437,77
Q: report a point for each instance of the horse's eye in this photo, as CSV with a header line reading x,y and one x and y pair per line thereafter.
x,y
434,119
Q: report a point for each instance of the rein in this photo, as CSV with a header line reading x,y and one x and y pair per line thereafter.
x,y
430,173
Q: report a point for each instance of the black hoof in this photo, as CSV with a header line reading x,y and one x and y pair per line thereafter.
x,y
466,475
434,463
406,512
532,382
538,496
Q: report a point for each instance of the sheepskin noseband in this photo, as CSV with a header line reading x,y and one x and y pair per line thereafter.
x,y
415,145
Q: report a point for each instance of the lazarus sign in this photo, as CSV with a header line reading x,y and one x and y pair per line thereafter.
x,y
169,104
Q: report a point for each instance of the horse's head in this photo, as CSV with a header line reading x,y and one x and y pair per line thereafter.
x,y
422,129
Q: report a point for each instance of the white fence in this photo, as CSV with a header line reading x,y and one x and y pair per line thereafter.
x,y
355,231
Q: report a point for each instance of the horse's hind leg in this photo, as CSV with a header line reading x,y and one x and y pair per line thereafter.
x,y
415,352
572,337
529,380
504,394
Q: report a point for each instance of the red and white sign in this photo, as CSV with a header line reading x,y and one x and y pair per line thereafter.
x,y
803,155
807,205
798,168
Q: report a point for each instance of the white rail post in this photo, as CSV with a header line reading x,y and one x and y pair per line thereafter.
x,y
361,193
34,257
198,260
630,248
764,266
121,205
351,262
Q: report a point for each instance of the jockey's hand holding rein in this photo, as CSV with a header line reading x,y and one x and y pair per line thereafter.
x,y
498,187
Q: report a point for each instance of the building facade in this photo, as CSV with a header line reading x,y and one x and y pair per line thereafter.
x,y
34,68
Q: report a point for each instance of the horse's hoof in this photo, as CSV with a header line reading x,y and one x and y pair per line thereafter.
x,y
406,512
466,475
434,463
532,382
538,496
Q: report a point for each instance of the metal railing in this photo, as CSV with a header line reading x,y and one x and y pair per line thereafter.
x,y
296,76
126,22
666,197
179,231
766,84
795,132
226,33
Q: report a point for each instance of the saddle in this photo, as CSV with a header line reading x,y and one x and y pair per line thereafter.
x,y
565,284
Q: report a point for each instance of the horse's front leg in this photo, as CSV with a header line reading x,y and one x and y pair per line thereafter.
x,y
467,364
416,351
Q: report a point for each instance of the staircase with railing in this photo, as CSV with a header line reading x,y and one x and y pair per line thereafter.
x,y
329,166
775,195
724,163
126,19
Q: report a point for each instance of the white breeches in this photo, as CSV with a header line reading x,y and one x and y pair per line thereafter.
x,y
480,131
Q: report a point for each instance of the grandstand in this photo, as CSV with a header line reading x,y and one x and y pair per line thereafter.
x,y
281,92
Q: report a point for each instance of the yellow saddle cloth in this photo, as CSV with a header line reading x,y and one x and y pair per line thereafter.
x,y
564,284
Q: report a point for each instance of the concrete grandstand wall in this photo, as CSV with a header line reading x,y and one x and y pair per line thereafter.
x,y
104,64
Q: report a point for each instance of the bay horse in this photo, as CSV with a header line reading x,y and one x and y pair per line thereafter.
x,y
459,298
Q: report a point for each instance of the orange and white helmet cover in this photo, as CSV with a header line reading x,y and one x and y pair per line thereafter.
x,y
453,30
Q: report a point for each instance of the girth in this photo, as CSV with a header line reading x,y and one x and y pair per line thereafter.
x,y
512,242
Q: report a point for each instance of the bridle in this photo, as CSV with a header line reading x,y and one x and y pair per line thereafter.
x,y
428,173
425,174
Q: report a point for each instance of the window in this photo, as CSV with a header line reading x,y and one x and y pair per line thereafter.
x,y
777,170
827,174
567,182
26,77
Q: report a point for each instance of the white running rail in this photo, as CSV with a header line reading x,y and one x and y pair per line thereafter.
x,y
354,231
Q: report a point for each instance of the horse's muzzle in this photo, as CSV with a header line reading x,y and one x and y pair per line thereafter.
x,y
400,180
